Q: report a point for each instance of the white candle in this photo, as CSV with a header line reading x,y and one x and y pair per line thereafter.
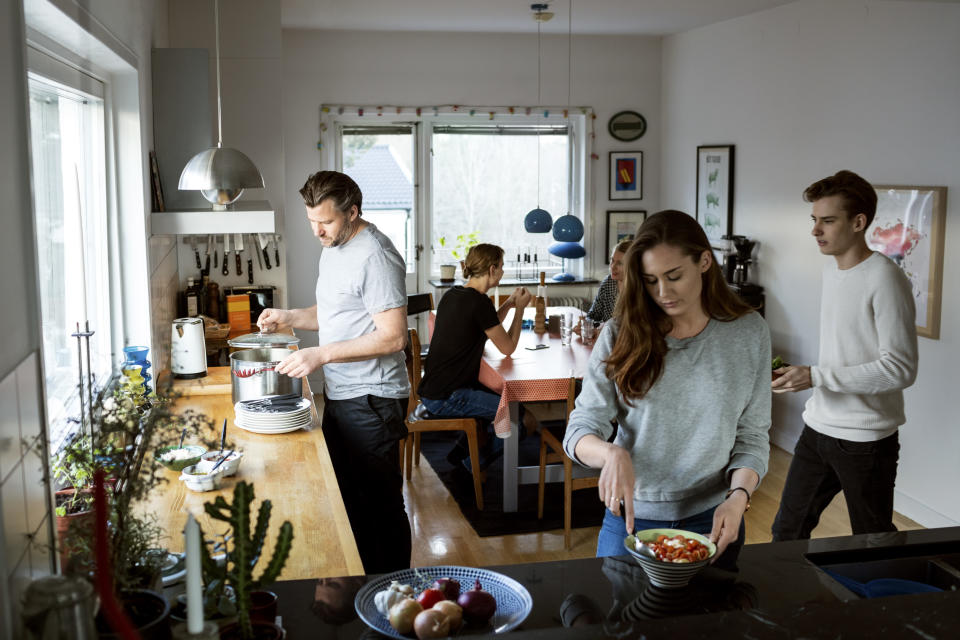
x,y
194,578
496,297
81,246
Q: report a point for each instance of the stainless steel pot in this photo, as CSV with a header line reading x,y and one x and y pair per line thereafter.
x,y
253,374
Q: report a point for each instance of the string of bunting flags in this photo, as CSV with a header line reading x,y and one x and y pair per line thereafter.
x,y
488,112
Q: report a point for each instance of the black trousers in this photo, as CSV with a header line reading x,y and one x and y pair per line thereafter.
x,y
363,437
823,466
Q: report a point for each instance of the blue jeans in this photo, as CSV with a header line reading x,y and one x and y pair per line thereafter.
x,y
465,403
613,531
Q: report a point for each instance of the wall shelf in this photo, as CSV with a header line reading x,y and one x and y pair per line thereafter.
x,y
245,216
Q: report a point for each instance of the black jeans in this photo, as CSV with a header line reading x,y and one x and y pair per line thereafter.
x,y
363,437
821,467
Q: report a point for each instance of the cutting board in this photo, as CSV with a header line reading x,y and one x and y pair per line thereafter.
x,y
217,381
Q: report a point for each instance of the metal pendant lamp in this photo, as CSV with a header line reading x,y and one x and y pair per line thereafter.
x,y
538,220
220,173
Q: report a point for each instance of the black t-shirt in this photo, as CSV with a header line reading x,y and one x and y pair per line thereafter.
x,y
463,316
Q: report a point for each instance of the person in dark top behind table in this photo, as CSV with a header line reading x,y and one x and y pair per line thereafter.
x,y
466,318
602,308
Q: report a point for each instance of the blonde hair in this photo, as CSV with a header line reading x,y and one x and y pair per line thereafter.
x,y
480,258
622,246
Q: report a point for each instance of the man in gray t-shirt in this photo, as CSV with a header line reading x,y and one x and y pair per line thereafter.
x,y
361,321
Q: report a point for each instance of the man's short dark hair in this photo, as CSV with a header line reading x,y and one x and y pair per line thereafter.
x,y
333,185
857,194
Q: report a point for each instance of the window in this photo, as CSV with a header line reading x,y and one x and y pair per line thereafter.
x,y
462,174
69,186
486,179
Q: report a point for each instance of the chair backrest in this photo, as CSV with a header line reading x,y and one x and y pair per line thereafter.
x,y
418,303
414,366
571,396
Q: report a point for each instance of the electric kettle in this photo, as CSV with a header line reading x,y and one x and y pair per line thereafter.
x,y
188,349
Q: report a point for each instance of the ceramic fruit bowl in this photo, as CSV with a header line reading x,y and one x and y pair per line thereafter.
x,y
179,458
197,480
228,467
665,573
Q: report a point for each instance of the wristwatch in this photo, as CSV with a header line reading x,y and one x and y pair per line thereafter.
x,y
731,492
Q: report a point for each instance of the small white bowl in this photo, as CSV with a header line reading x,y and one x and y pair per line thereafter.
x,y
229,466
201,481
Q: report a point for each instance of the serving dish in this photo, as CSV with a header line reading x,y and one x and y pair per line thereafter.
x,y
228,467
514,602
668,575
179,464
197,480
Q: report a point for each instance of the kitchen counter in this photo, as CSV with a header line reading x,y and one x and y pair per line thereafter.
x,y
778,591
293,470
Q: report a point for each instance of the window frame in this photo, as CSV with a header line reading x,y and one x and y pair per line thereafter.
x,y
579,153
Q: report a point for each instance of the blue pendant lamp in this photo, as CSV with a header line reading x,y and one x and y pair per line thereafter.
x,y
568,230
538,220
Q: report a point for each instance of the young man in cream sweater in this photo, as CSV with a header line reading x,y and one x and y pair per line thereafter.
x,y
868,356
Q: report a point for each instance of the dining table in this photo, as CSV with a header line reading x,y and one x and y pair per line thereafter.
x,y
530,374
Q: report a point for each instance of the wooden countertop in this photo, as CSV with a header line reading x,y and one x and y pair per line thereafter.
x,y
293,470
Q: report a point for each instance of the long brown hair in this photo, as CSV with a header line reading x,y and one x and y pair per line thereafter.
x,y
636,360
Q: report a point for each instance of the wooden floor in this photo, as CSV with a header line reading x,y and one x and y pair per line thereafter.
x,y
441,535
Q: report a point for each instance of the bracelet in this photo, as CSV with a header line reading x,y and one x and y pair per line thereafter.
x,y
735,489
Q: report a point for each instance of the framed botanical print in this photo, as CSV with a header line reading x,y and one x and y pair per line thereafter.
x,y
622,225
715,191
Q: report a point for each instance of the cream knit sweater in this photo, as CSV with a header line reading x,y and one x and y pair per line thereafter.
x,y
868,351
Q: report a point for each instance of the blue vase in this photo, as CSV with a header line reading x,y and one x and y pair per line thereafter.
x,y
137,357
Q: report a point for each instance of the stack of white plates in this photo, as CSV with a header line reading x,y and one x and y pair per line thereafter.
x,y
266,419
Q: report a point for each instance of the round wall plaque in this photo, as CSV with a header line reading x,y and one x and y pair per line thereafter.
x,y
627,126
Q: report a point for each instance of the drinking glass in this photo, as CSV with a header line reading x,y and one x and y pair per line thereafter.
x,y
566,328
588,330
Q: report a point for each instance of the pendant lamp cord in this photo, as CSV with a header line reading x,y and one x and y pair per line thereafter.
x,y
539,100
216,22
569,84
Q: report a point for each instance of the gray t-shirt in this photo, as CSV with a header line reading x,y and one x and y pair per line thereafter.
x,y
707,414
356,281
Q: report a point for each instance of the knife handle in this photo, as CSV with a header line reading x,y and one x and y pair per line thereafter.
x,y
226,269
216,256
276,254
196,253
249,270
208,263
239,269
266,257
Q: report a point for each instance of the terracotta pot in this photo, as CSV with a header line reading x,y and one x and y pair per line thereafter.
x,y
263,606
261,631
148,611
82,518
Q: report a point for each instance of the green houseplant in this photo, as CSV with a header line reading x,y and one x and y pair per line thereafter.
x,y
458,249
126,427
243,548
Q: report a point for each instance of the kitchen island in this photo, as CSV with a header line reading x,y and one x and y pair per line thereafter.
x,y
780,590
293,470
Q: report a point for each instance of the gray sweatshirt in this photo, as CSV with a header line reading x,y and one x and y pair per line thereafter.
x,y
707,415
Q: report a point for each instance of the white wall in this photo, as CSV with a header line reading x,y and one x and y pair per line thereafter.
x,y
608,73
803,91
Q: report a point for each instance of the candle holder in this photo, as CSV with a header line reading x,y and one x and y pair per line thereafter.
x,y
210,632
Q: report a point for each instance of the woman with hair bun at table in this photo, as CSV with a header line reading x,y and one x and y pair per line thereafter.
x,y
466,319
684,369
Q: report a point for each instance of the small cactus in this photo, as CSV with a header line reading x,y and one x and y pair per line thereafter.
x,y
244,548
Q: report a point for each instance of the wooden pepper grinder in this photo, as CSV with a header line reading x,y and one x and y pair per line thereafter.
x,y
540,320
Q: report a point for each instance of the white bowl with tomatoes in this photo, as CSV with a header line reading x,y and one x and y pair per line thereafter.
x,y
680,555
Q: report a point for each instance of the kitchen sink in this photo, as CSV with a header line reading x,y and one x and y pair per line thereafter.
x,y
868,573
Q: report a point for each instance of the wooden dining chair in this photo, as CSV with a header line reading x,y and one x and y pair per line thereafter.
x,y
419,420
551,452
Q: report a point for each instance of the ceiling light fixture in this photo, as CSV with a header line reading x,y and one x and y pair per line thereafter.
x,y
220,173
538,220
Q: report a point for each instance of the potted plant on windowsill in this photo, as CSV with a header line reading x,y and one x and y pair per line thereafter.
x,y
126,427
244,544
459,250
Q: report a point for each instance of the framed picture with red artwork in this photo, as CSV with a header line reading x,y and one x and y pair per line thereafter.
x,y
626,175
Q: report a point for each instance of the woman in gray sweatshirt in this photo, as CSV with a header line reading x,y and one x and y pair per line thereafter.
x,y
684,369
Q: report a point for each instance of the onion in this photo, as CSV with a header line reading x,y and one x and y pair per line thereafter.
x,y
453,612
478,605
449,586
431,624
403,613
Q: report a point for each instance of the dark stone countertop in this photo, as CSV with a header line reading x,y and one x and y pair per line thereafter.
x,y
779,590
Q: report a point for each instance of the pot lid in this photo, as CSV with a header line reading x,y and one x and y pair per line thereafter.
x,y
254,340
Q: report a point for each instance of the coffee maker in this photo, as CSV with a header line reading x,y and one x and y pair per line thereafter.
x,y
737,258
